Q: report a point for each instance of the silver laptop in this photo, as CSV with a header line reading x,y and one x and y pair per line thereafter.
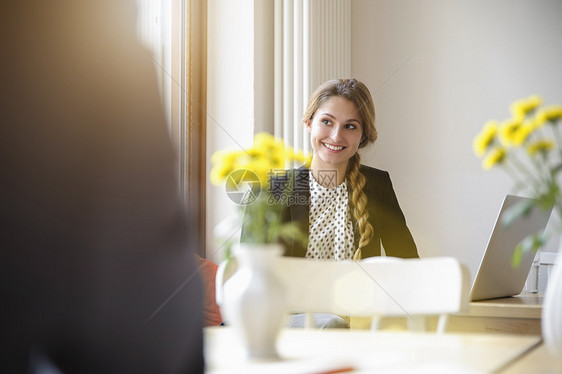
x,y
496,277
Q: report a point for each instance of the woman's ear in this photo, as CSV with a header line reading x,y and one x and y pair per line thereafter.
x,y
308,125
363,141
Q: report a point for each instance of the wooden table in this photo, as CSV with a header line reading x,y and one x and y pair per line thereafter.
x,y
537,360
515,315
323,351
520,314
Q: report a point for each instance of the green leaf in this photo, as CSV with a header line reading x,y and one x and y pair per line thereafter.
x,y
291,231
557,168
522,208
528,244
517,256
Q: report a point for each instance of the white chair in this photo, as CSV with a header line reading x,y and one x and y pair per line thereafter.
x,y
375,287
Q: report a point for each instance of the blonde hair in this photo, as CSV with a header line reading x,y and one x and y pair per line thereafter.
x,y
357,93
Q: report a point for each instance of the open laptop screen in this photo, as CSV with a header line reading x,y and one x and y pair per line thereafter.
x,y
496,277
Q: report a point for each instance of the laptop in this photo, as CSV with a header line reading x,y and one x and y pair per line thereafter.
x,y
496,277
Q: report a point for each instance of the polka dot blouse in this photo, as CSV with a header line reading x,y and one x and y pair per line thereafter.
x,y
330,229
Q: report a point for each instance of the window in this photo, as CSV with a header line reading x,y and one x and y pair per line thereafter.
x,y
174,31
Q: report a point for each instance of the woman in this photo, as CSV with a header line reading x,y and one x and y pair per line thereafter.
x,y
348,209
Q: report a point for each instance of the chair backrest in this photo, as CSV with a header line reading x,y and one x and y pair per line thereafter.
x,y
376,287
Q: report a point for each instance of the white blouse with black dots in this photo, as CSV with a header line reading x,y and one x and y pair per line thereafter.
x,y
330,228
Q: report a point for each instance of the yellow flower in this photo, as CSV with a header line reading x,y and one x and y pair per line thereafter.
x,y
522,133
241,161
497,156
552,113
224,164
485,138
266,155
262,168
278,146
263,139
537,121
267,147
520,108
218,174
509,131
268,144
541,145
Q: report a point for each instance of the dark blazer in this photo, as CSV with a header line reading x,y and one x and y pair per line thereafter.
x,y
385,216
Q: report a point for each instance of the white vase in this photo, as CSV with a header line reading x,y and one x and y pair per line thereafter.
x,y
552,310
254,299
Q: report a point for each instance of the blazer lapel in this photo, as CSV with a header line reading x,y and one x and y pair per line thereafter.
x,y
299,208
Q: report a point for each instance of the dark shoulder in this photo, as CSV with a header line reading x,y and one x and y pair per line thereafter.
x,y
301,174
373,173
294,180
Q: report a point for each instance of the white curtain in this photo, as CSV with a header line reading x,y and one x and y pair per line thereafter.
x,y
312,45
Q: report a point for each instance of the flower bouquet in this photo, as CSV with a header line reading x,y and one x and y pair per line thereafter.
x,y
252,179
528,147
253,301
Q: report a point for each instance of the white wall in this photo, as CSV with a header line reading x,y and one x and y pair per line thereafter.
x,y
438,69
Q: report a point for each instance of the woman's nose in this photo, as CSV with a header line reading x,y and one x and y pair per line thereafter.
x,y
336,133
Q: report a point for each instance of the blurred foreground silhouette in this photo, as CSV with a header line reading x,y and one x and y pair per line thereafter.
x,y
93,235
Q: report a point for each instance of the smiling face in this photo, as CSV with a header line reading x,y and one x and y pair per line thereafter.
x,y
335,133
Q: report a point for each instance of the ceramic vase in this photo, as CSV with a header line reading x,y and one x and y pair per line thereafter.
x,y
254,299
552,310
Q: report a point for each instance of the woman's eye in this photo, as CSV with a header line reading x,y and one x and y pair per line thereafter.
x,y
350,126
326,121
